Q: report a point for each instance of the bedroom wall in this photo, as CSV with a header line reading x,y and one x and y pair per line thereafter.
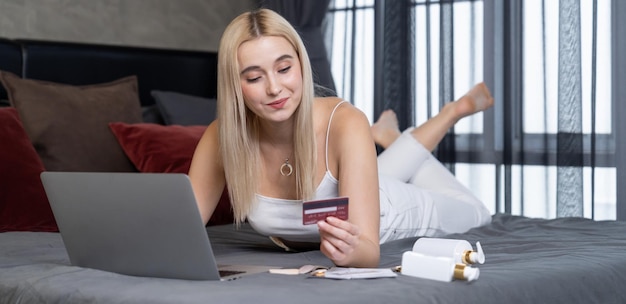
x,y
177,24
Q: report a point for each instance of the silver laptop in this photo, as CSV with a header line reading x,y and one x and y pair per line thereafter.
x,y
140,224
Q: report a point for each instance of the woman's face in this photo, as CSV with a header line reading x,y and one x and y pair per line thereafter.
x,y
271,78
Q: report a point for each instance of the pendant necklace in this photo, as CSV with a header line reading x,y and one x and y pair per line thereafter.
x,y
286,169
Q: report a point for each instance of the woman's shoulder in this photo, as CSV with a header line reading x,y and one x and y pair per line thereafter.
x,y
328,101
340,106
343,113
213,127
211,134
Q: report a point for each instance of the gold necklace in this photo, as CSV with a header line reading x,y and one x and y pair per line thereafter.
x,y
286,169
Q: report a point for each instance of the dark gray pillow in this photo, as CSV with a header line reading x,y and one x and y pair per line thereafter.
x,y
186,110
151,114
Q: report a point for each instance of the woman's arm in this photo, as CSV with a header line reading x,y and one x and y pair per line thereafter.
x,y
207,173
355,242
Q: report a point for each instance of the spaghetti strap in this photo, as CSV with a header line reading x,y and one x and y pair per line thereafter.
x,y
328,130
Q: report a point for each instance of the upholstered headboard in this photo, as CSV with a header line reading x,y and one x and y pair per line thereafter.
x,y
10,60
188,72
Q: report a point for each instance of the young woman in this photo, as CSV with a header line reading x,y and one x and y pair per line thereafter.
x,y
275,145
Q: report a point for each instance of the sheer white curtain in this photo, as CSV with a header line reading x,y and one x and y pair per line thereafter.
x,y
556,66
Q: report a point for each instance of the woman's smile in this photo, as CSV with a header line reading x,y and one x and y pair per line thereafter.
x,y
278,104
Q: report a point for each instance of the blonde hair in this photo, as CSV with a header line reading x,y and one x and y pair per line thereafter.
x,y
239,127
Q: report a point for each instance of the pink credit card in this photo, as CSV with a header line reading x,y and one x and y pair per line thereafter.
x,y
318,210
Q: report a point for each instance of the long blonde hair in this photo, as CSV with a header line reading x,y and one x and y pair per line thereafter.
x,y
239,127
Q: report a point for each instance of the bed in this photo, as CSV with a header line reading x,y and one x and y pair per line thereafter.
x,y
567,260
528,260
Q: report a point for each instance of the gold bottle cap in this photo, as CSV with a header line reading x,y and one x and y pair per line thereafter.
x,y
464,272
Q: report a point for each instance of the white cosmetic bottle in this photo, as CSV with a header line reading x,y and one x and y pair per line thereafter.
x,y
460,251
436,268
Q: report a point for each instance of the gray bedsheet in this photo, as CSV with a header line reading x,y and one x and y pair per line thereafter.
x,y
568,260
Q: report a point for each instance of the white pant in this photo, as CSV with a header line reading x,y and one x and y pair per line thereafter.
x,y
420,197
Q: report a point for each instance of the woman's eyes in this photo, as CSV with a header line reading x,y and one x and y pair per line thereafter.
x,y
255,79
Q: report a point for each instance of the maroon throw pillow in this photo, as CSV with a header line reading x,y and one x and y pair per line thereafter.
x,y
155,148
23,202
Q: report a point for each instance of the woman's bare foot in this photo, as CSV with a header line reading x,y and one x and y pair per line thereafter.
x,y
476,100
386,129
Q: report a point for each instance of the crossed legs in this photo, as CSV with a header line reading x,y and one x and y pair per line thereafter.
x,y
386,130
442,203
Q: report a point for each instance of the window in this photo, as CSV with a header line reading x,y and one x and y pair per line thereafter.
x,y
522,156
350,30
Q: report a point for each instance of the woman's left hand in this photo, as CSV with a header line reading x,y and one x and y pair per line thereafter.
x,y
339,239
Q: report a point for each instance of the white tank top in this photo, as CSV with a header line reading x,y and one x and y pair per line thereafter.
x,y
283,217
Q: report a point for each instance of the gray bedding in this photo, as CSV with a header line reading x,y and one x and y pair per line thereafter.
x,y
568,260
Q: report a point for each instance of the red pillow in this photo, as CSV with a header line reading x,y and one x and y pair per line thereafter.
x,y
155,148
23,202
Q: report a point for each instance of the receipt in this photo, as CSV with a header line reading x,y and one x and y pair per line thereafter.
x,y
343,273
